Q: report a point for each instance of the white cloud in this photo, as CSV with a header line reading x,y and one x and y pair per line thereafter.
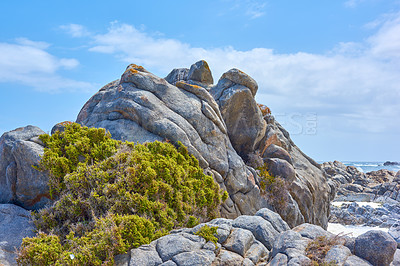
x,y
352,3
386,42
27,62
251,8
75,30
355,84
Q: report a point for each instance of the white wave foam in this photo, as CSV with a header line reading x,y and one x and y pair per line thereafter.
x,y
363,204
352,230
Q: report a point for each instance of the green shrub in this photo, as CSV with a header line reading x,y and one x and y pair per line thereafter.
x,y
274,188
208,233
122,195
66,151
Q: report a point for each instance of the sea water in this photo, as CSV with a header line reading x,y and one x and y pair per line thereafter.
x,y
372,166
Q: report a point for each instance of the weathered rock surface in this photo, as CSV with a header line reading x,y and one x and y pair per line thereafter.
x,y
15,224
309,190
178,74
20,183
376,247
243,118
216,126
238,244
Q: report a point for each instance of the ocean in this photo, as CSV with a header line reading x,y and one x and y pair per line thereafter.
x,y
372,166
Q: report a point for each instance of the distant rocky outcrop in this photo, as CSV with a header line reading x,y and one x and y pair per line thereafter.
x,y
20,183
352,185
388,163
221,125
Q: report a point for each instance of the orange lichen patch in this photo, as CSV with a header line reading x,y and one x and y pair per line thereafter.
x,y
133,71
264,109
144,98
271,140
181,84
241,72
64,123
250,177
139,68
206,65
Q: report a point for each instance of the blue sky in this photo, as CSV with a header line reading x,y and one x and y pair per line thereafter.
x,y
329,70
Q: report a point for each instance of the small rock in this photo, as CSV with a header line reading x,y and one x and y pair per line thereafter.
x,y
145,255
15,224
274,151
289,243
200,72
256,252
241,78
300,261
261,229
279,260
275,219
178,74
228,258
168,263
170,245
239,241
281,168
356,261
311,231
396,258
198,257
337,254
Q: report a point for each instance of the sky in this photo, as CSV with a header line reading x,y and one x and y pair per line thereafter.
x,y
328,70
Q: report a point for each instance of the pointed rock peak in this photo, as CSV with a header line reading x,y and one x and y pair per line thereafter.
x,y
201,72
239,77
135,68
133,73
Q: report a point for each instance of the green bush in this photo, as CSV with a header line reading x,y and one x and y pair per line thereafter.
x,y
274,188
208,233
120,196
66,151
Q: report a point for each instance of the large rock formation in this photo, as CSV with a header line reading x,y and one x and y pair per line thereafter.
x,y
20,183
142,107
215,127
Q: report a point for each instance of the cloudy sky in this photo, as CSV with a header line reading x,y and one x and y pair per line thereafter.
x,y
329,70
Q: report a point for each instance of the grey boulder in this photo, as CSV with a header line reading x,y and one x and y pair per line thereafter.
x,y
178,74
15,224
20,183
200,72
375,246
242,116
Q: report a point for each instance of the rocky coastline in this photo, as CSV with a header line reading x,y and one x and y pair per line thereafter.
x,y
232,138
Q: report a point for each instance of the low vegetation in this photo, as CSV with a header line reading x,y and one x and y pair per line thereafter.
x,y
208,233
111,196
317,249
274,188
